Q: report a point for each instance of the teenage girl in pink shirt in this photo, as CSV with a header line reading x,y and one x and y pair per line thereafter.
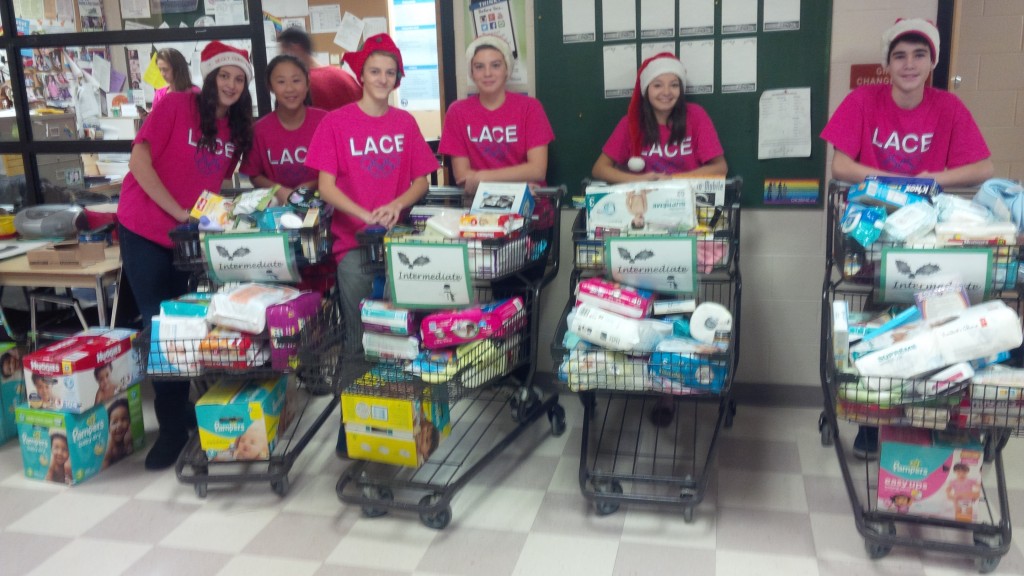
x,y
495,135
281,139
190,143
662,134
174,70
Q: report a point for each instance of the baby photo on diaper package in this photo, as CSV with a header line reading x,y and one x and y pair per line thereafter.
x,y
638,208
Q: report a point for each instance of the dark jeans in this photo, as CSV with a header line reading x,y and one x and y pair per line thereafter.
x,y
153,278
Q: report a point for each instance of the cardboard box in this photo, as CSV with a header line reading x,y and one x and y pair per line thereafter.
x,y
930,473
69,253
78,372
83,443
54,126
12,389
503,198
240,419
403,432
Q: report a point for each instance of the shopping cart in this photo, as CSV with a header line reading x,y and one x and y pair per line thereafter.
x,y
851,276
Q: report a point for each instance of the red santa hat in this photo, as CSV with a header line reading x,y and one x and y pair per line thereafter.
x,y
376,43
217,54
662,63
918,26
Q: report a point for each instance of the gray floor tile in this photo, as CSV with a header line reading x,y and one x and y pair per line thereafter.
x,y
826,495
519,471
142,521
885,567
16,502
758,455
162,560
573,514
20,553
762,531
301,536
467,553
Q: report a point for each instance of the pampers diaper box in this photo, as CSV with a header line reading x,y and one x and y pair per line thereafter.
x,y
72,374
930,473
240,419
12,389
397,431
71,448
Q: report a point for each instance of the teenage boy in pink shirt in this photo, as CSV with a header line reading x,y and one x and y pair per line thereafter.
x,y
373,164
495,135
907,128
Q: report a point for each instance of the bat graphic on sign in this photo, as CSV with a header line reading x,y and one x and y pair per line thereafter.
x,y
238,253
419,261
925,270
641,255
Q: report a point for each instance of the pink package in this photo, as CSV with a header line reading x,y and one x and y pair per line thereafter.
x,y
454,327
613,297
285,320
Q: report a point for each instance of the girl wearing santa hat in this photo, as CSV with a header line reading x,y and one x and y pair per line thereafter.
x,y
373,164
662,134
495,135
281,139
190,143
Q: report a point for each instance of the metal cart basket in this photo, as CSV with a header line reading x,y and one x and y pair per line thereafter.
x,y
851,276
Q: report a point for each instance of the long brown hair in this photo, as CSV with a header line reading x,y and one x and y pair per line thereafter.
x,y
239,116
181,78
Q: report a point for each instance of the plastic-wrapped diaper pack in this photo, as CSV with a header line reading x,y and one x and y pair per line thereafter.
x,y
223,348
381,316
954,209
377,346
689,371
863,223
592,369
454,327
245,308
614,297
617,332
284,322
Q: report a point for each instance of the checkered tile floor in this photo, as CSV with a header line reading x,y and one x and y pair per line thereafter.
x,y
776,504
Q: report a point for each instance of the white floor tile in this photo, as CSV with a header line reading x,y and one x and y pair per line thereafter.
x,y
315,495
666,527
250,565
548,554
87,555
567,476
501,508
387,543
728,563
218,530
68,514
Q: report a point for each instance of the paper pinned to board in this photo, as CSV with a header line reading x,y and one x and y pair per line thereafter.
x,y
324,19
619,70
784,124
349,33
374,26
578,21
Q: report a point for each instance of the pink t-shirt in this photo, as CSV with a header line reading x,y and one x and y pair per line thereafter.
x,y
375,160
172,131
161,92
493,139
939,133
700,145
280,154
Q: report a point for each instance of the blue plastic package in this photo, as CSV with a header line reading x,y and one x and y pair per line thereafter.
x,y
863,223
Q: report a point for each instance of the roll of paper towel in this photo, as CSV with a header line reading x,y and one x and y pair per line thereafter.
x,y
708,318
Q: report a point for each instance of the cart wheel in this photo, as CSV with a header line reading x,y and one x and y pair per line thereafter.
x,y
522,403
730,413
280,487
986,565
877,550
606,507
825,430
688,494
200,488
688,514
438,520
556,416
376,493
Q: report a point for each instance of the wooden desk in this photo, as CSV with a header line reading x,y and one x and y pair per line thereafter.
x,y
16,272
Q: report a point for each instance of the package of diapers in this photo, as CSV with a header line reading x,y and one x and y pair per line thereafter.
x,y
174,347
910,222
614,297
954,209
454,327
383,317
979,331
384,346
662,207
229,349
603,369
244,308
695,372
616,332
284,322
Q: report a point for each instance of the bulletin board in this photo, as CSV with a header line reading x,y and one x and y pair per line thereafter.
x,y
570,85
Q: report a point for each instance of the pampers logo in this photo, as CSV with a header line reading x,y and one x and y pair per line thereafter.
x,y
33,443
95,430
912,469
232,426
